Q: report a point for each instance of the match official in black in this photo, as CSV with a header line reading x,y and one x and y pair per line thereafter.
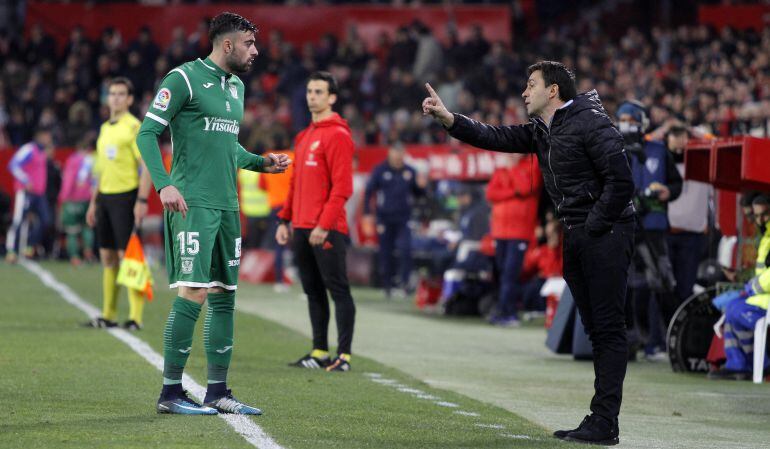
x,y
587,175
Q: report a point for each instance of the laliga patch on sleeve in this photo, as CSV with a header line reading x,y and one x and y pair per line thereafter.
x,y
162,99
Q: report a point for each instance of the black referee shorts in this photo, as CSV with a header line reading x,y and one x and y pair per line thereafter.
x,y
115,219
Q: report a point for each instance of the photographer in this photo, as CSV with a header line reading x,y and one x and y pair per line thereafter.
x,y
657,182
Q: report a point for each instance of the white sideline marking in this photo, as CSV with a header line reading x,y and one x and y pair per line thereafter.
x,y
446,404
411,390
490,426
516,437
247,428
464,413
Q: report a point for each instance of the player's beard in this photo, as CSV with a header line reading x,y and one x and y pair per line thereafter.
x,y
235,64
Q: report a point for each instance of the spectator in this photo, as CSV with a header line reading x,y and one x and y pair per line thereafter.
x,y
254,206
688,216
429,55
74,197
540,263
29,169
394,184
514,192
748,306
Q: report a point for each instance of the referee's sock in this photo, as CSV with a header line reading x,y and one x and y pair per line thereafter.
x,y
110,293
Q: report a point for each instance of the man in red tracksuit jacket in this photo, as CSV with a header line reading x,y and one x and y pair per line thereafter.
x,y
314,220
514,192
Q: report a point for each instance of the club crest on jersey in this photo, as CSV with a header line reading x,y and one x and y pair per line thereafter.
x,y
233,91
187,265
162,99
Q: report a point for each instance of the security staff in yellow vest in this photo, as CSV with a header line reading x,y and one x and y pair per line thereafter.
x,y
742,313
255,206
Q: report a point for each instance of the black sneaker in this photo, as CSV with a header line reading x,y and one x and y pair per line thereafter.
x,y
311,362
728,374
183,405
100,323
132,325
228,404
596,430
339,364
560,434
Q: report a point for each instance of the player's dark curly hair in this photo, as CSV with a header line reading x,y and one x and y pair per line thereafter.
x,y
227,22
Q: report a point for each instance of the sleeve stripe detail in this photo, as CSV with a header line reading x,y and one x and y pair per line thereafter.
x,y
186,80
157,119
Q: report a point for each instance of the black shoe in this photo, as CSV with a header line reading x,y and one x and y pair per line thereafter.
x,y
100,323
728,374
597,431
311,362
132,325
560,434
181,404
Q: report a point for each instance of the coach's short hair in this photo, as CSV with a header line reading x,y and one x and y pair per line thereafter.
x,y
122,80
556,73
325,76
227,22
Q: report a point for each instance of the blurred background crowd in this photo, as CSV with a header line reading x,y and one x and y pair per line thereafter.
x,y
695,81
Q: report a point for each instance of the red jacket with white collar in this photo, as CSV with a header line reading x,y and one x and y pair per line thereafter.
x,y
323,176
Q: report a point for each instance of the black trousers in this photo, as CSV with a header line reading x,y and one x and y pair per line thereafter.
x,y
323,268
596,271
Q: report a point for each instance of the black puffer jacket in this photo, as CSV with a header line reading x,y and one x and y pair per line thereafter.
x,y
582,159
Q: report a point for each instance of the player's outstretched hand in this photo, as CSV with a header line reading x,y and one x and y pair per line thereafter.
x,y
173,201
433,105
278,163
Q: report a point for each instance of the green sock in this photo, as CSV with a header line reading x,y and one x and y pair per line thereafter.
x,y
177,338
218,335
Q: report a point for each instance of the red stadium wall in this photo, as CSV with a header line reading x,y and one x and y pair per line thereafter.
x,y
735,16
298,24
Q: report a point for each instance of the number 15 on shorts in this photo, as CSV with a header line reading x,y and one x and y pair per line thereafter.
x,y
188,243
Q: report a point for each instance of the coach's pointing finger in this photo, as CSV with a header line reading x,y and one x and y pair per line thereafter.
x,y
435,107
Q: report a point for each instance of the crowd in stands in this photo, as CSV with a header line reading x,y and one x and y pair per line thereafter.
x,y
718,81
690,78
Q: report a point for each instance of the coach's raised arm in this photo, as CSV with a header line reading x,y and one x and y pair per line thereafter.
x,y
587,175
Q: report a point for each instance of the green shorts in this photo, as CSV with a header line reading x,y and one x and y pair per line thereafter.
x,y
204,249
73,215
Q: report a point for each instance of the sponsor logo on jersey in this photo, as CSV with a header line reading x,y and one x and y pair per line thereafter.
x,y
187,265
314,145
207,85
221,124
227,106
162,99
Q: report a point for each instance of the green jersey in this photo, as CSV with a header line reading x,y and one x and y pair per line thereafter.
x,y
203,106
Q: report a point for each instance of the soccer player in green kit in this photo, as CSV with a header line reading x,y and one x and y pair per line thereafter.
x,y
202,103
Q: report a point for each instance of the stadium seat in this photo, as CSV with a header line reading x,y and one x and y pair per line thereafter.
x,y
760,340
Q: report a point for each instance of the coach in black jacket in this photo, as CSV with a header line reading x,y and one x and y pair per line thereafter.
x,y
587,176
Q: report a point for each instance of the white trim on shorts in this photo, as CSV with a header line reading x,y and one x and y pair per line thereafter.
x,y
203,285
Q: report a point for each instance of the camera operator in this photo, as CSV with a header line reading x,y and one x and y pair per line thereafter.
x,y
657,182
